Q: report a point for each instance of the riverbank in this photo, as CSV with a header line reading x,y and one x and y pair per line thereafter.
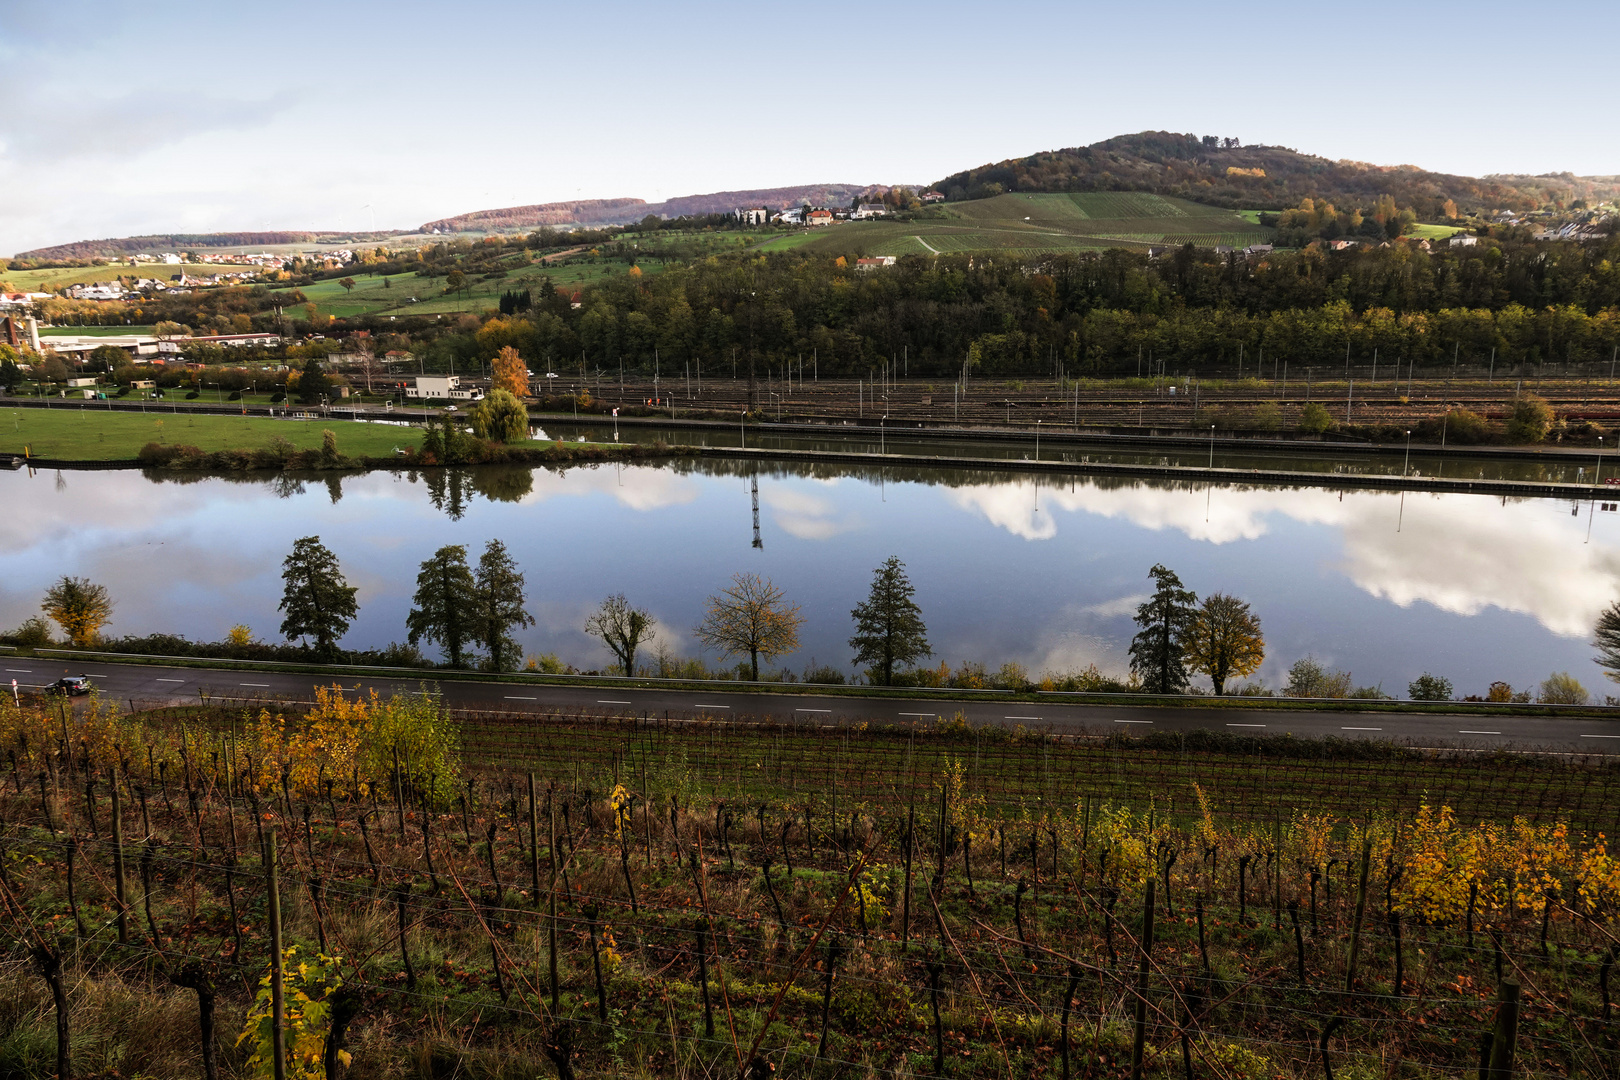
x,y
120,440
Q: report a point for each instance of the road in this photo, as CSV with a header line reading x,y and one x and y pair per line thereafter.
x,y
144,685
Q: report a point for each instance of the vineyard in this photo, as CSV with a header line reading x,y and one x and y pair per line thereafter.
x,y
1030,225
372,888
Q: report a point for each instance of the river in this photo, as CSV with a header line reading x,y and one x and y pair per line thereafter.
x,y
1045,571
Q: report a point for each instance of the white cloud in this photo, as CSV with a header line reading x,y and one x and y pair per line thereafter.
x,y
805,516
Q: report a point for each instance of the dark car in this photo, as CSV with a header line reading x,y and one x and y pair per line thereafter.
x,y
69,686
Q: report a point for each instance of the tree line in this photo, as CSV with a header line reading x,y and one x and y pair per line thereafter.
x,y
1096,313
470,612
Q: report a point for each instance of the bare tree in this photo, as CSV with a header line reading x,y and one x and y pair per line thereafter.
x,y
622,628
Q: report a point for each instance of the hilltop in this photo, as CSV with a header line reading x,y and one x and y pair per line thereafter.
x,y
629,211
161,242
1220,172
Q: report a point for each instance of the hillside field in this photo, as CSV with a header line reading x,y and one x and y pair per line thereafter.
x,y
1030,225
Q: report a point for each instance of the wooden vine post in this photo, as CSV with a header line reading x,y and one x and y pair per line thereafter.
x,y
1145,948
278,1039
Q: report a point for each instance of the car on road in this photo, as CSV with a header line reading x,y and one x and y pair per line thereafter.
x,y
68,686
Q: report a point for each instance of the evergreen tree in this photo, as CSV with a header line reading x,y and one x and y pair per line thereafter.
x,y
1159,650
445,606
313,383
317,600
889,628
498,604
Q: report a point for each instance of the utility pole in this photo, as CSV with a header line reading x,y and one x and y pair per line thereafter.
x,y
753,386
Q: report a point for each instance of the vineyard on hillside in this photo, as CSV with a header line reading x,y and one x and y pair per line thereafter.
x,y
505,896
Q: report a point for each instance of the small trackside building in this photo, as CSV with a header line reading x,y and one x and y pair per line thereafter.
x,y
442,388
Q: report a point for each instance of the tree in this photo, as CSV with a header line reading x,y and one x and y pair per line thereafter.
x,y
1224,640
348,284
1532,418
80,607
1428,687
498,604
889,628
753,617
622,628
1158,652
501,417
1560,688
1606,640
317,600
313,383
10,373
445,605
509,373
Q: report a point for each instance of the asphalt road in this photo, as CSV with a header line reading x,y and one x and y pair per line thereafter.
x,y
150,686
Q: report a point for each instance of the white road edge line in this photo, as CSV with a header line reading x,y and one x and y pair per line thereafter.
x,y
510,697
813,710
1020,718
263,685
1133,721
1245,725
1361,729
20,670
711,706
1479,733
1600,736
168,680
601,701
912,713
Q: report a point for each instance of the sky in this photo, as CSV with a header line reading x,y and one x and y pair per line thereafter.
x,y
123,119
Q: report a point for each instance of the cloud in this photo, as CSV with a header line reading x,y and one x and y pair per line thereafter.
x,y
806,516
1113,609
82,128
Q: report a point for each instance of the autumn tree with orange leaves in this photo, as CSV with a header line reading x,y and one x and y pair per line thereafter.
x,y
509,373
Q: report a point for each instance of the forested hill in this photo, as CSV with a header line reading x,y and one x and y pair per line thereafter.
x,y
1212,170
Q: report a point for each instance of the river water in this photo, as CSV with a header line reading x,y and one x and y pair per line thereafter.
x,y
1042,570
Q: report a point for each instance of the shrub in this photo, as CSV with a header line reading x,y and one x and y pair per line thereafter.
x,y
34,633
1314,419
1465,426
1309,679
825,674
278,397
1428,687
1531,420
1503,692
1267,417
1560,688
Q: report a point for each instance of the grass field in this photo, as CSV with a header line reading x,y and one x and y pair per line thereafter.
x,y
1434,232
93,331
1025,225
89,434
51,280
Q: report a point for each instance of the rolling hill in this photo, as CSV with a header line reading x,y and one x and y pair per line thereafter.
x,y
1027,225
1187,167
628,211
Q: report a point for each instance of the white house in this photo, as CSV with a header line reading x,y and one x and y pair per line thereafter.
x,y
442,387
1464,241
869,210
752,215
819,217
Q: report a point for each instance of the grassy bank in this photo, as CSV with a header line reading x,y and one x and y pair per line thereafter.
x,y
91,434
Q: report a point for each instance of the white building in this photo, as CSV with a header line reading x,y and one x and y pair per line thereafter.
x,y
442,387
869,210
